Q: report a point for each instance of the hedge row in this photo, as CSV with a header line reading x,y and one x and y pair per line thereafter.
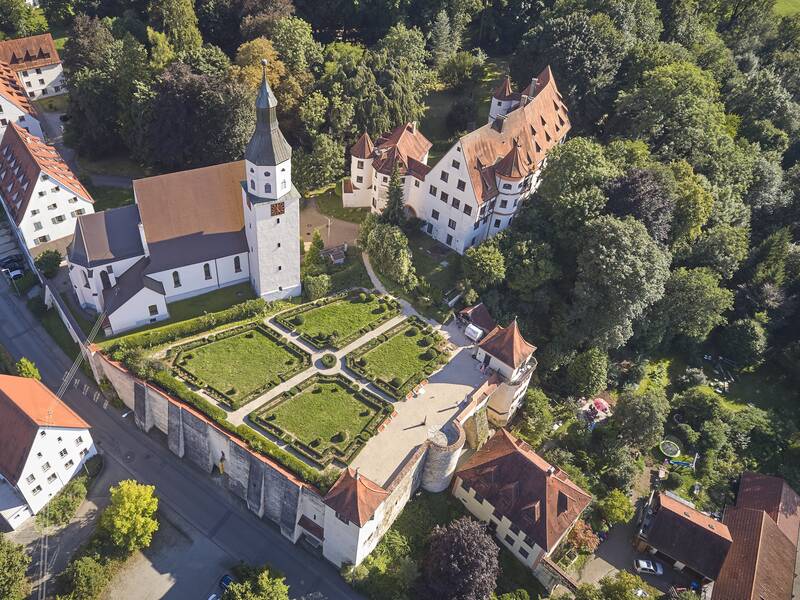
x,y
170,333
398,392
336,342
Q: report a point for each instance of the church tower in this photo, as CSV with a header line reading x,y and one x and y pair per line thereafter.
x,y
271,204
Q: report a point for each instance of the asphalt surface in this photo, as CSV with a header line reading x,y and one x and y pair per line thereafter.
x,y
183,489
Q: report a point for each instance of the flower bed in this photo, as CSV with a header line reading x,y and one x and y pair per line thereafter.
x,y
338,320
401,358
240,364
324,418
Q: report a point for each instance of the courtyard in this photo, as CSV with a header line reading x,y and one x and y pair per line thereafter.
x,y
241,366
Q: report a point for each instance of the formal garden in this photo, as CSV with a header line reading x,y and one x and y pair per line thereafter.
x,y
401,358
336,321
240,364
324,418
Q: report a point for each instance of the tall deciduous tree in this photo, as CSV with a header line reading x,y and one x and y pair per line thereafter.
x,y
13,565
461,563
130,520
178,20
640,418
484,265
587,373
693,303
616,507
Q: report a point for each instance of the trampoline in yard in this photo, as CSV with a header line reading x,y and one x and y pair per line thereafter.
x,y
669,448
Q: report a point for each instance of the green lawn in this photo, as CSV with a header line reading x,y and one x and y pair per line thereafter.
x,y
109,197
321,412
401,356
211,302
329,203
787,7
434,262
240,365
59,33
113,165
57,104
345,317
56,329
767,387
352,274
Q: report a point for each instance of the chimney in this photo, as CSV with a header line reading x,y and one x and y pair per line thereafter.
x,y
551,470
358,475
498,123
413,127
524,100
534,82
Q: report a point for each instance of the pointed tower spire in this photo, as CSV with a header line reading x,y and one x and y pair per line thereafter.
x,y
267,146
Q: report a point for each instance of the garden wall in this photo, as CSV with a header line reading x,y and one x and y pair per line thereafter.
x,y
267,489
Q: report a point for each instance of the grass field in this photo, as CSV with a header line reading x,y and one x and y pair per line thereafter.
x,y
352,274
241,364
345,317
113,165
434,262
109,197
321,412
401,356
787,7
329,203
57,104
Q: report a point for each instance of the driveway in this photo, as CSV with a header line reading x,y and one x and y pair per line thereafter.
x,y
218,517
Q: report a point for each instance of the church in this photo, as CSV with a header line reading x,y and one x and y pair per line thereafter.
x,y
474,190
191,232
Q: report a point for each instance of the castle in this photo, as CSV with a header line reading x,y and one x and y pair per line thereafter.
x,y
474,190
194,231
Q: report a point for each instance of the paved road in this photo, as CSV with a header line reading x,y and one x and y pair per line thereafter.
x,y
181,488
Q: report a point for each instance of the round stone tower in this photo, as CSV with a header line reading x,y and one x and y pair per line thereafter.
x,y
444,448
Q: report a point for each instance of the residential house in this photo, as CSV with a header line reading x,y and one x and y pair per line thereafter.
x,y
474,190
675,532
194,231
40,193
528,504
43,444
15,107
36,62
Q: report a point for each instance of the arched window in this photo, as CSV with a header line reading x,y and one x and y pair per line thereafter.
x,y
252,170
176,279
267,188
266,173
237,264
207,271
252,184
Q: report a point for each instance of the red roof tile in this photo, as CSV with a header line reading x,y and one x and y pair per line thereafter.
x,y
503,91
363,147
31,157
30,52
12,90
522,486
774,496
507,345
25,406
354,497
479,316
398,147
513,165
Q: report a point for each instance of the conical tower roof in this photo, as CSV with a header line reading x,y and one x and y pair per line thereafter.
x,y
363,147
513,165
507,345
503,91
267,147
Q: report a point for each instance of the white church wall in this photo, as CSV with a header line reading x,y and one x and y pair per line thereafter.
x,y
136,311
91,296
203,277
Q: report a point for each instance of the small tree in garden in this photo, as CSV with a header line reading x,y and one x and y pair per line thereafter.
x,y
461,564
48,262
582,538
130,519
316,286
616,508
26,368
313,262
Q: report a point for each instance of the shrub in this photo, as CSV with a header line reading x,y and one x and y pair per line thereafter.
x,y
362,297
339,437
298,319
62,507
48,262
674,480
328,360
395,382
424,342
86,577
412,331
429,354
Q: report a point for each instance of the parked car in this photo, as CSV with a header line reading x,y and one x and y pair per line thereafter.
x,y
648,567
13,273
225,581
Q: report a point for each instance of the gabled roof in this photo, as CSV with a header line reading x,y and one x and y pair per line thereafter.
x,y
12,90
363,147
192,216
689,536
398,147
479,315
25,406
513,165
130,283
774,496
522,486
30,158
507,345
106,237
30,52
503,90
760,564
537,126
355,497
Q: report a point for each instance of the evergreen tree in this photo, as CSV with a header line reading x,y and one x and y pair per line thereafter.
x,y
393,213
442,45
178,20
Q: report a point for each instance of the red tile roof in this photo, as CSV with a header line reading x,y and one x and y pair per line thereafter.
x,y
398,147
521,485
689,536
513,165
479,316
507,345
30,52
25,406
760,564
12,90
354,497
537,126
503,91
363,147
774,496
31,157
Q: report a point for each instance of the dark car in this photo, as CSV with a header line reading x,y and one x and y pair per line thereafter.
x,y
225,581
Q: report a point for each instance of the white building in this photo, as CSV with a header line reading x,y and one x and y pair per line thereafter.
x,y
39,192
474,190
194,231
14,104
528,505
36,62
43,444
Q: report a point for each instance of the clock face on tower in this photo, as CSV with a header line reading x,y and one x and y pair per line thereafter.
x,y
277,209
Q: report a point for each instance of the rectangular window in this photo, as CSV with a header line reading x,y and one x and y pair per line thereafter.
x,y
461,185
153,310
360,164
497,223
433,190
444,176
456,203
509,540
467,209
30,479
78,441
45,467
449,241
451,224
416,183
51,478
62,453
69,464
58,219
36,490
37,226
359,179
444,197
84,452
503,203
523,553
456,164
435,214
